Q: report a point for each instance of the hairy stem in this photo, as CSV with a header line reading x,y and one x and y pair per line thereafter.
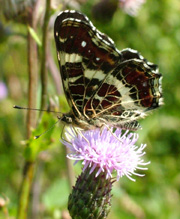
x,y
25,190
44,73
44,81
31,120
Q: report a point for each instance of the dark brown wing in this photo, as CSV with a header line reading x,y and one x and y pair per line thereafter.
x,y
132,89
85,57
99,80
131,85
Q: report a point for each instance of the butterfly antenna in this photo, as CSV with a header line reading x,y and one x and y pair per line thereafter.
x,y
38,136
27,108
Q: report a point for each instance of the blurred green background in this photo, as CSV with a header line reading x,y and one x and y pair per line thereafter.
x,y
155,33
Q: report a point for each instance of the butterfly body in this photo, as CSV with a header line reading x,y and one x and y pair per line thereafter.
x,y
103,86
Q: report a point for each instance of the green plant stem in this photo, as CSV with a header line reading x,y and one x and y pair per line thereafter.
x,y
33,79
31,117
25,190
44,73
31,122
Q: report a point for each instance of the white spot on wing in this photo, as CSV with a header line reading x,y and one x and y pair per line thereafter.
x,y
83,43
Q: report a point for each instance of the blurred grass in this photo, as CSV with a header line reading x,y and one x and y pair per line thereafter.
x,y
155,33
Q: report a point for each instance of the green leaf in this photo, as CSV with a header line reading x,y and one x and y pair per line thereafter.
x,y
34,36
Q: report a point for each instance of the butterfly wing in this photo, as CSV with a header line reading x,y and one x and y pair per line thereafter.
x,y
100,82
127,93
85,57
139,88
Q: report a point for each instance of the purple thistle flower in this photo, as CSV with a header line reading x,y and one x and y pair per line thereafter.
x,y
131,7
3,90
107,152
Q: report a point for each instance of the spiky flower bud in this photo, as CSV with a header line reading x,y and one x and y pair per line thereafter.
x,y
17,9
91,196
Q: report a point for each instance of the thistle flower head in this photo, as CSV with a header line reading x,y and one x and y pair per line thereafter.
x,y
106,151
131,7
3,90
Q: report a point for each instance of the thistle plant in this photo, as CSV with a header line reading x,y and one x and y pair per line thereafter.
x,y
106,157
131,7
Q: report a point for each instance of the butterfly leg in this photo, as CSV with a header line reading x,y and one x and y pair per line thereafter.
x,y
78,131
110,131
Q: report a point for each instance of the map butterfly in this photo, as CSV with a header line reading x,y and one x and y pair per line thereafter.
x,y
103,86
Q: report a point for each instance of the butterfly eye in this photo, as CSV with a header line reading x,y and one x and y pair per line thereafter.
x,y
67,119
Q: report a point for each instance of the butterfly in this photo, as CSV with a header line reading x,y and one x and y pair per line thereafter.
x,y
103,86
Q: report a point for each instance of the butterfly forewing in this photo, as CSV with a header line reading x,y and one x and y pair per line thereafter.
x,y
84,57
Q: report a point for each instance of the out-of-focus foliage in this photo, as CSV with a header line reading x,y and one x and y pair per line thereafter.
x,y
155,33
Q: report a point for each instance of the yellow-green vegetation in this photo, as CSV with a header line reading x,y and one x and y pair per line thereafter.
x,y
155,33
